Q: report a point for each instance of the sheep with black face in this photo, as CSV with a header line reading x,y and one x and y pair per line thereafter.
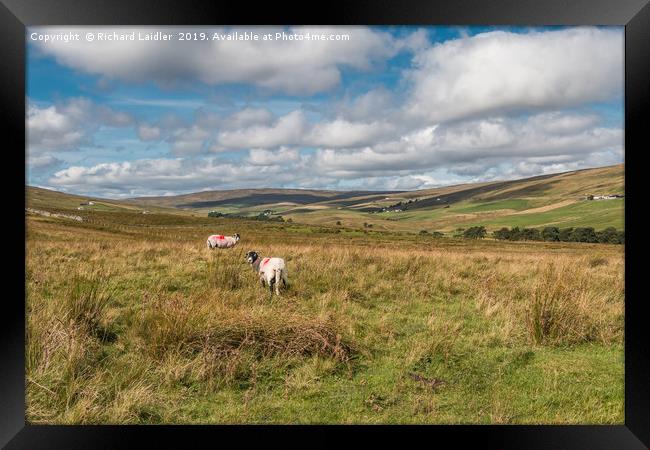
x,y
270,270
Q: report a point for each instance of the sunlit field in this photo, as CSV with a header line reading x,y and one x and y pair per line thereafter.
x,y
131,319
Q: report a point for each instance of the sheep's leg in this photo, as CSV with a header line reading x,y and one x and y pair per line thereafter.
x,y
271,283
285,282
278,276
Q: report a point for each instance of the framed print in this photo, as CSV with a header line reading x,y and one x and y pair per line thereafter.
x,y
290,220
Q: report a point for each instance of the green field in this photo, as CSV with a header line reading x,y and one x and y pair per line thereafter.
x,y
598,214
131,319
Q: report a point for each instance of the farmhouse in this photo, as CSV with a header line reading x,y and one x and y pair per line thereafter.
x,y
604,197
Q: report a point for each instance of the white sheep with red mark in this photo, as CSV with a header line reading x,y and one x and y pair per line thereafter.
x,y
270,271
221,241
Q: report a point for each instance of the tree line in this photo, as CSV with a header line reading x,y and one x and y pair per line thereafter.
x,y
609,235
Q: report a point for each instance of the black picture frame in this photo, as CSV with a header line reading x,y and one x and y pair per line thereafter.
x,y
15,15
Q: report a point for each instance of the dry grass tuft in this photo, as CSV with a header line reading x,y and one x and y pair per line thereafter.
x,y
553,302
565,309
188,325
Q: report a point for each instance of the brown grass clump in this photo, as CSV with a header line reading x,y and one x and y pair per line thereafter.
x,y
564,309
181,324
555,302
224,343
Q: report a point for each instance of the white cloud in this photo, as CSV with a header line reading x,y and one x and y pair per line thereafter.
x,y
42,162
48,128
162,176
369,106
465,142
287,130
248,116
65,125
294,67
149,132
293,129
478,150
502,71
283,156
187,141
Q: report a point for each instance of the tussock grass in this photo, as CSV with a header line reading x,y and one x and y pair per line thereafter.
x,y
555,303
189,325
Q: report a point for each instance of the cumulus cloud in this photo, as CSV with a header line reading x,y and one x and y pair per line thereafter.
x,y
162,176
66,125
42,162
293,67
466,142
370,105
293,129
247,116
479,150
287,130
51,129
501,71
283,156
149,132
187,141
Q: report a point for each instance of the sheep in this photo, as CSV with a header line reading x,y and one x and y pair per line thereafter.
x,y
221,241
270,271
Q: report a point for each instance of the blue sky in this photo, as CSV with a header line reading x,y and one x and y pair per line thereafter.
x,y
389,108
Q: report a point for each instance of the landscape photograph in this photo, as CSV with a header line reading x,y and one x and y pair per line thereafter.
x,y
325,225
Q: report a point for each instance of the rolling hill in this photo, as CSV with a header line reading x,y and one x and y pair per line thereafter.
x,y
547,200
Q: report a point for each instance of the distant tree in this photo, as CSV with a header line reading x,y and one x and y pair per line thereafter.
x,y
590,197
565,234
515,234
459,232
551,234
424,232
437,234
584,234
621,237
502,234
608,236
530,234
289,220
478,232
215,214
338,222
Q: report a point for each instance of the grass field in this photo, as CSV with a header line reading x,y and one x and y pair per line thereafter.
x,y
131,319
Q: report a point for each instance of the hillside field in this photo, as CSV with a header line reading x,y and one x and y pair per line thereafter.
x,y
131,319
558,200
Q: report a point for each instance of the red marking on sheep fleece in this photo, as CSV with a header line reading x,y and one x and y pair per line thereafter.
x,y
216,236
265,261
